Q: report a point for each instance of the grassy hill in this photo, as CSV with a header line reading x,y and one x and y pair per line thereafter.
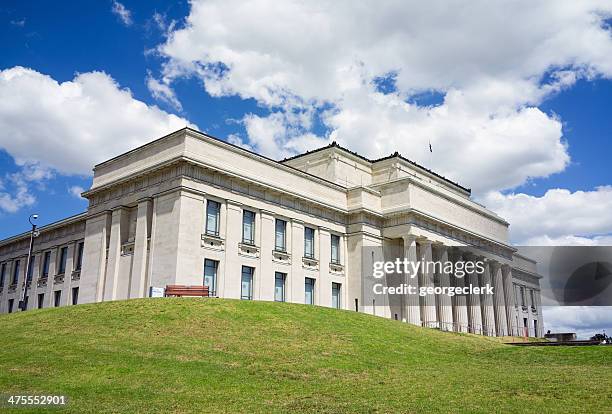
x,y
213,355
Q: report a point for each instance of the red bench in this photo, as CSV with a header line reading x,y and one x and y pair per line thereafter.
x,y
182,290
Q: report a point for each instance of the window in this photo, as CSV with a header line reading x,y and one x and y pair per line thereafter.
x,y
309,242
11,302
2,273
62,262
246,289
535,328
279,286
25,303
31,268
213,211
57,298
79,256
532,298
46,262
16,272
522,296
309,291
335,249
210,276
280,239
75,295
336,287
41,300
248,227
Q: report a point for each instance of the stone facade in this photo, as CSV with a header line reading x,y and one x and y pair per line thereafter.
x,y
188,207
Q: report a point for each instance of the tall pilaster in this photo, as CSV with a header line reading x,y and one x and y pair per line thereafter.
x,y
443,302
509,299
427,302
499,299
486,301
413,310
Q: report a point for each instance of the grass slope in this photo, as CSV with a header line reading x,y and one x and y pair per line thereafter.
x,y
213,355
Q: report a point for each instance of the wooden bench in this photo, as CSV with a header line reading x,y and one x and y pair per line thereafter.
x,y
182,290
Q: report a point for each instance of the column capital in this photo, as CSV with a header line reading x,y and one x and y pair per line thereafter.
x,y
424,241
409,238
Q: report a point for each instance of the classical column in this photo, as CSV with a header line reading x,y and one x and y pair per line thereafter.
x,y
486,300
114,254
443,302
138,286
509,298
413,311
460,314
473,300
427,302
499,300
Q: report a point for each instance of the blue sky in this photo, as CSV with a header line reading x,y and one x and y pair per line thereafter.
x,y
519,112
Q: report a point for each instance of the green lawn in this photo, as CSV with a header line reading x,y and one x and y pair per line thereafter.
x,y
213,355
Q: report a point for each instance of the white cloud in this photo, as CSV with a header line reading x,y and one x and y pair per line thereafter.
x,y
162,92
76,191
559,217
70,126
16,192
124,14
323,54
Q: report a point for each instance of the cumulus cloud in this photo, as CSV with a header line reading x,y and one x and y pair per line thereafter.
x,y
122,13
76,191
162,92
323,58
70,126
559,217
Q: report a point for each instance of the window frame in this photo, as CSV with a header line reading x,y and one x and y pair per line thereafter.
x,y
337,287
280,276
63,260
211,291
251,275
57,298
74,299
338,259
2,273
79,256
46,264
246,213
309,254
282,248
30,271
16,270
212,232
312,284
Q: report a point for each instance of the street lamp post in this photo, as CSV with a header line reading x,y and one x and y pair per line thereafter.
x,y
24,290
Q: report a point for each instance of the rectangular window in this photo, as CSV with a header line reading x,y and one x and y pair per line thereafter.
x,y
79,256
335,249
57,298
11,302
75,295
309,242
31,268
246,289
532,298
309,291
46,263
213,211
279,286
248,227
210,276
25,302
41,300
16,267
336,288
522,296
62,261
2,273
280,239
